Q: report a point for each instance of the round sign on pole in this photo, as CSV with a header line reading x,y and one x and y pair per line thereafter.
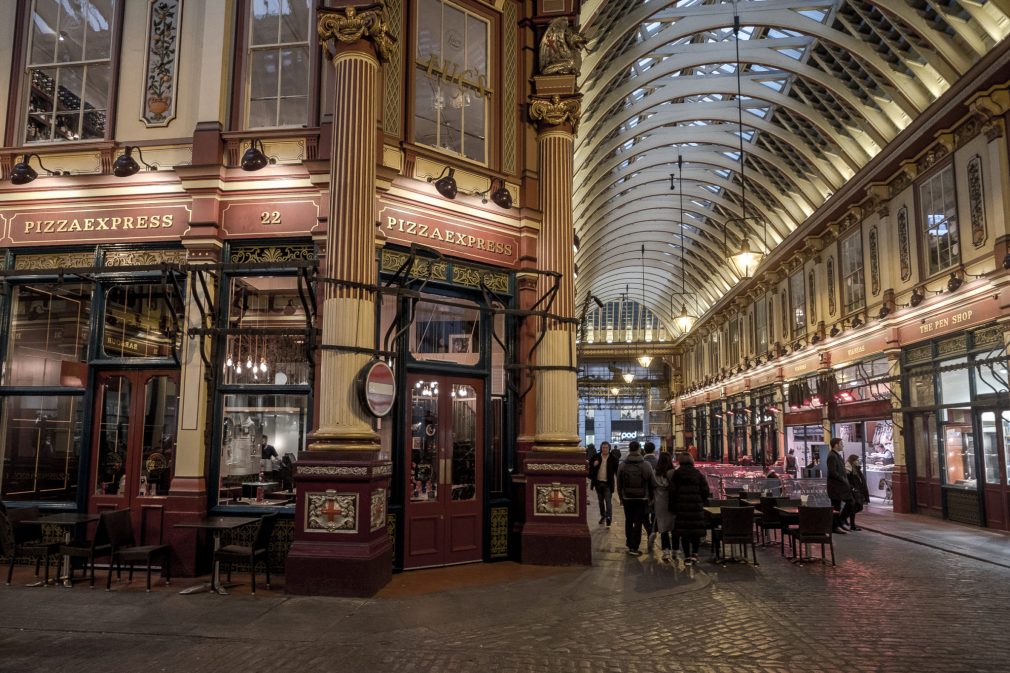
x,y
377,388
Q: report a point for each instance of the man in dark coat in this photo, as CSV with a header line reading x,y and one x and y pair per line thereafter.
x,y
839,490
688,494
602,475
634,487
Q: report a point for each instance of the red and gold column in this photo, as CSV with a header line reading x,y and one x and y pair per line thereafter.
x,y
555,530
341,546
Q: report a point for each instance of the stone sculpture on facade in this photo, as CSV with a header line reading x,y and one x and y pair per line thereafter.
x,y
559,49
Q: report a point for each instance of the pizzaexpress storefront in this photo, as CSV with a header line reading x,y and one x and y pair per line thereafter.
x,y
125,352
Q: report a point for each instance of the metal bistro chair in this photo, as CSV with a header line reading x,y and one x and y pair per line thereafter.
x,y
770,519
97,547
815,528
738,529
25,540
234,553
119,525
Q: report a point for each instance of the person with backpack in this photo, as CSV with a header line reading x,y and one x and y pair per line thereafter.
x,y
634,488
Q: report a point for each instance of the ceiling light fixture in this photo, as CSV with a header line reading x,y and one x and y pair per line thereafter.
x,y
644,359
22,173
445,183
255,157
685,321
125,165
628,377
745,260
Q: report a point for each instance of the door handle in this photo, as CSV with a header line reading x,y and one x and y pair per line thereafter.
x,y
444,472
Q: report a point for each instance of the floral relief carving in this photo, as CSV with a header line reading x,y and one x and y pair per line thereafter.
x,y
377,513
812,293
904,256
159,105
556,499
68,260
352,25
976,201
145,257
831,286
874,263
555,112
272,253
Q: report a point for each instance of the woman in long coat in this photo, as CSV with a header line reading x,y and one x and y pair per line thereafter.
x,y
688,494
661,503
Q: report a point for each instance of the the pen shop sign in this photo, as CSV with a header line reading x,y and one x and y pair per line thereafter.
x,y
95,225
452,238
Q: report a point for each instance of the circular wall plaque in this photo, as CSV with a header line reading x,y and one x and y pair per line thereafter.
x,y
377,388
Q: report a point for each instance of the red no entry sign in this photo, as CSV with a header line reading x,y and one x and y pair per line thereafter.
x,y
377,388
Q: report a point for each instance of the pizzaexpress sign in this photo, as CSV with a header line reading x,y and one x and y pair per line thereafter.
x,y
458,239
147,223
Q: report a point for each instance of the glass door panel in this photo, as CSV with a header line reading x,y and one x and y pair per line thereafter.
x,y
424,442
159,430
990,447
1005,422
464,442
116,400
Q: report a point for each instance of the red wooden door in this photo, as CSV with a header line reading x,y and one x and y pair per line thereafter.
x,y
444,486
995,426
133,447
925,449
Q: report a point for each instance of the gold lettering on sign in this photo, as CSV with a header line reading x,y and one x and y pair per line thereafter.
x,y
270,217
449,236
856,350
801,368
447,71
42,227
961,317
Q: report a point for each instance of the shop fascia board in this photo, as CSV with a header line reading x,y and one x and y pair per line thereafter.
x,y
404,191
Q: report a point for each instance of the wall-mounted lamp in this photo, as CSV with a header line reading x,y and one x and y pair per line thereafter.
x,y
835,330
815,339
954,282
856,322
255,157
445,183
917,296
885,311
22,173
1006,261
125,165
502,197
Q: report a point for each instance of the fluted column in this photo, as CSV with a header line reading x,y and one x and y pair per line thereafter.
x,y
341,547
555,530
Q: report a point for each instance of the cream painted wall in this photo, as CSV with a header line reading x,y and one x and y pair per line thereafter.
x,y
8,8
205,49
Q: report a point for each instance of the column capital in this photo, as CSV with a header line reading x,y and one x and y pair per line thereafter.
x,y
556,111
352,24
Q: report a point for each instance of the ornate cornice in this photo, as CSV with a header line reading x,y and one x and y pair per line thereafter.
x,y
351,25
555,111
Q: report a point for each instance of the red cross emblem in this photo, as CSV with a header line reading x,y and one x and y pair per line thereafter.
x,y
331,510
556,498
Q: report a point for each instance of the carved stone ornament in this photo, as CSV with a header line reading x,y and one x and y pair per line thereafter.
x,y
554,467
812,294
976,201
831,286
555,112
353,25
162,62
874,262
331,512
332,471
555,499
559,49
377,513
904,256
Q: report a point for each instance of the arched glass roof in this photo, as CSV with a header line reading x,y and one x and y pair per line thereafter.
x,y
825,85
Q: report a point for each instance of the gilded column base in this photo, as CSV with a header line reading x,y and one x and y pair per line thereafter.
x,y
555,530
325,439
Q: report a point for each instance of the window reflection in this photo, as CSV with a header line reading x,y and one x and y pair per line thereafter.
x,y
464,442
114,436
959,449
41,437
138,322
446,332
279,63
48,335
424,441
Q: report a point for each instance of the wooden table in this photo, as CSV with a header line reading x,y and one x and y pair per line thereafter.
x,y
249,488
753,502
69,522
215,524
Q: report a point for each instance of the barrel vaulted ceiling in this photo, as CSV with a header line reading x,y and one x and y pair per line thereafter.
x,y
825,85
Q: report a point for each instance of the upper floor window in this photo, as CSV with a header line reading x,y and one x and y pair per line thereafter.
x,y
68,76
280,67
451,81
853,285
713,353
938,203
797,296
735,327
761,326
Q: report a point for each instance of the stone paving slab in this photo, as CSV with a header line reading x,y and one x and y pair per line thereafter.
x,y
889,606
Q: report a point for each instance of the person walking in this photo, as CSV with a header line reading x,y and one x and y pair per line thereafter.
x,y
634,488
688,493
602,474
790,463
649,450
839,491
664,519
860,491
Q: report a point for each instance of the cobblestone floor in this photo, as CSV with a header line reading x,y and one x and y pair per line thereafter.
x,y
889,605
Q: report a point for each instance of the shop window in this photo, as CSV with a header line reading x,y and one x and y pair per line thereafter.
x,y
280,65
958,449
921,388
991,373
798,300
863,381
41,437
446,332
250,473
990,444
938,204
853,284
68,78
274,351
451,80
49,327
137,322
954,384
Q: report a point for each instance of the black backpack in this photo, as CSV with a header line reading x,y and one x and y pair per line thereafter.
x,y
633,481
